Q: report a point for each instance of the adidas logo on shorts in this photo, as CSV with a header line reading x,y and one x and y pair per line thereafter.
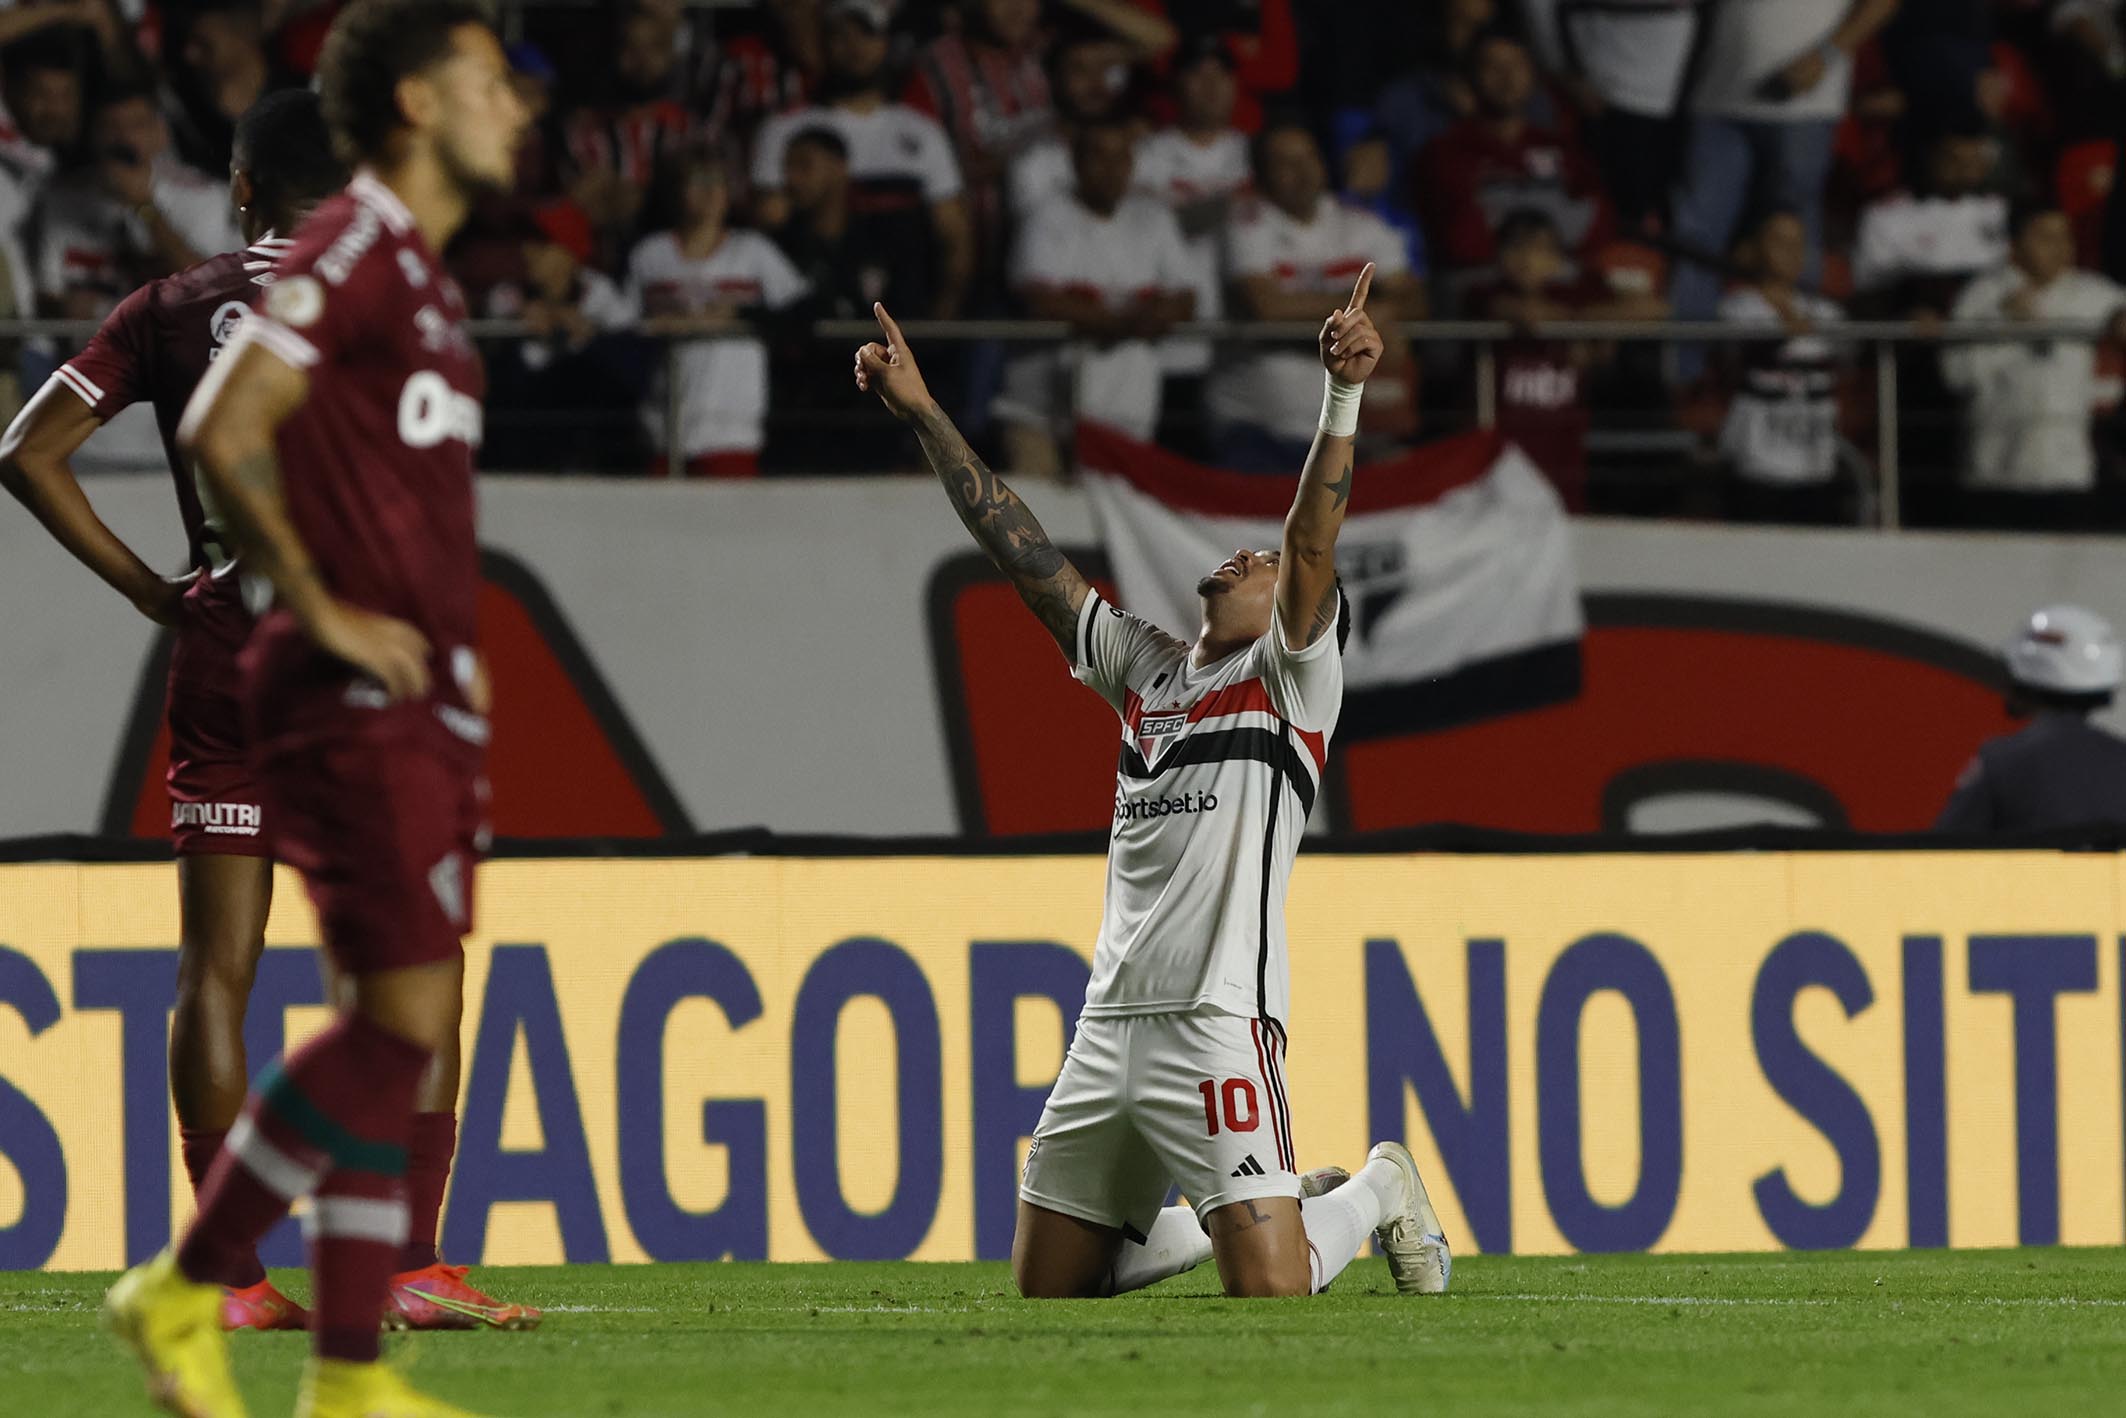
x,y
1249,1168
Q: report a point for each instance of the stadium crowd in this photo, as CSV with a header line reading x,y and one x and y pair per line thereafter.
x,y
728,175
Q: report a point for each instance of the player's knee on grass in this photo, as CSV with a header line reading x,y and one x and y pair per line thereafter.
x,y
1058,1257
1260,1245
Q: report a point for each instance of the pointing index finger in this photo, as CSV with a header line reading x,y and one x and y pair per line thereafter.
x,y
1362,289
885,322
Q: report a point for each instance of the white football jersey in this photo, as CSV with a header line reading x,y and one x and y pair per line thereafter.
x,y
1219,770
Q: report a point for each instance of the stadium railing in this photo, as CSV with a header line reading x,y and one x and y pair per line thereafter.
x,y
1878,342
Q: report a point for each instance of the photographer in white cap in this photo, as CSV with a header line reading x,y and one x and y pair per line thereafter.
x,y
2061,771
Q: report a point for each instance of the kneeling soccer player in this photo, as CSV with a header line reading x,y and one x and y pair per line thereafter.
x,y
1177,1071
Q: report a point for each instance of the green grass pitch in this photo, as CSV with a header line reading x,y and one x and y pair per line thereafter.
x,y
2021,1332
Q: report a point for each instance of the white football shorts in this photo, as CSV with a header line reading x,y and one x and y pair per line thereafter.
x,y
1146,1102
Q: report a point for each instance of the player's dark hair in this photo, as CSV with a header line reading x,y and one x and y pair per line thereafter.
x,y
283,146
1343,616
820,136
372,46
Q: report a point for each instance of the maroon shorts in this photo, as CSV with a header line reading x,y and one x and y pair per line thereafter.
x,y
387,831
215,807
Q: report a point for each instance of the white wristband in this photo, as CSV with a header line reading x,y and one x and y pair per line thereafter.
x,y
1339,407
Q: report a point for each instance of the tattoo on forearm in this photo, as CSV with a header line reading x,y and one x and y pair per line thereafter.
x,y
1004,525
1341,489
1324,616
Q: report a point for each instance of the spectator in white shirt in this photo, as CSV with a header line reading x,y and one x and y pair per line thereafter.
x,y
1109,262
1916,252
1197,168
1623,63
40,122
1088,74
898,157
702,272
133,213
1291,249
2029,459
1780,440
1917,248
1773,81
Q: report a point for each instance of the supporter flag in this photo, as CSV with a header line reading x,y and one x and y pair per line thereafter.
x,y
1456,557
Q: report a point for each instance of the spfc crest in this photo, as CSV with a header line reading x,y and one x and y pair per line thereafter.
x,y
1157,732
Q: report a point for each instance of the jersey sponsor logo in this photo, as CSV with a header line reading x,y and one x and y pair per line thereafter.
x,y
439,332
222,327
1542,386
430,411
296,302
220,819
1128,809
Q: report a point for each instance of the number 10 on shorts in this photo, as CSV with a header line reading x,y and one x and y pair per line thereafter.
x,y
1237,1098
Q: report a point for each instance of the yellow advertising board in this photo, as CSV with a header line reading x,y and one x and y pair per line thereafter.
x,y
807,1058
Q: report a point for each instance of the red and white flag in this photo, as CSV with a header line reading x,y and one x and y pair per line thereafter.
x,y
1456,557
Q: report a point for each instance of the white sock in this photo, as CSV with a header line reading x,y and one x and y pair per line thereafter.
x,y
1339,1222
1177,1244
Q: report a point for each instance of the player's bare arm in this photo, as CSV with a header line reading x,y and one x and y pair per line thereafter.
x,y
229,430
1306,572
1006,528
34,467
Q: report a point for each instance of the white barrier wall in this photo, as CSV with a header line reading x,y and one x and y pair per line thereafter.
x,y
731,620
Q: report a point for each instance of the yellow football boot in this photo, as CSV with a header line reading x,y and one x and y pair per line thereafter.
x,y
336,1388
174,1328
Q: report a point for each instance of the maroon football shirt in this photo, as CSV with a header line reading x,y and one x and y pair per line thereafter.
x,y
155,347
377,464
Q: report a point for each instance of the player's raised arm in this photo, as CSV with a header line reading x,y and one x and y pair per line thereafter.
x,y
230,430
1306,574
34,466
1046,581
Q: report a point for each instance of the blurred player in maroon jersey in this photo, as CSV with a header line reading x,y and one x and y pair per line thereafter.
x,y
365,701
156,347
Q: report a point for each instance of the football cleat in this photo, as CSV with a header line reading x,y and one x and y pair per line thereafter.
x,y
1322,1180
173,1328
437,1297
1416,1248
260,1307
335,1388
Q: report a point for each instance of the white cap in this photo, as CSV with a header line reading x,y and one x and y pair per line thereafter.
x,y
2066,650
